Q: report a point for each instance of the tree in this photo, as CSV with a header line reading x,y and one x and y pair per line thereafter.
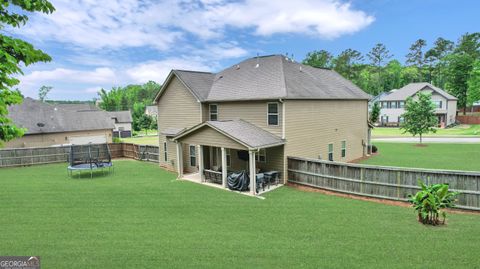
x,y
469,44
457,71
419,117
43,91
415,56
145,122
379,54
473,91
375,112
345,62
15,53
321,59
442,47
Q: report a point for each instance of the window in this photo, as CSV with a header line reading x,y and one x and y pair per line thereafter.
x,y
193,156
384,119
272,114
401,104
438,104
400,119
330,152
261,156
394,104
229,158
165,152
213,112
384,104
344,149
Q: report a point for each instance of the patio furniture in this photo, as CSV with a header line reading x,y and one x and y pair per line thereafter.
x,y
271,176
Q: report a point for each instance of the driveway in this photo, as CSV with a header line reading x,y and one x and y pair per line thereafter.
x,y
429,139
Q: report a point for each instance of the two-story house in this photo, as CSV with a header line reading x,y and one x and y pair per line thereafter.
x,y
254,114
393,104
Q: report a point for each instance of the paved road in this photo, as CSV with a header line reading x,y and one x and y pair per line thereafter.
x,y
430,139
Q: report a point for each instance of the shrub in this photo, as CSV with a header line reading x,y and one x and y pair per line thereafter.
x,y
373,149
117,140
430,202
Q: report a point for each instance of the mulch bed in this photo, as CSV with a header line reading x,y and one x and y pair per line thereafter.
x,y
371,199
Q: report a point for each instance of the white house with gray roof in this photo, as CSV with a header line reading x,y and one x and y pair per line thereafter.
x,y
392,104
254,114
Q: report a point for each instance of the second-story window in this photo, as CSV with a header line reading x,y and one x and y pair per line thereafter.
x,y
272,114
401,104
438,104
213,112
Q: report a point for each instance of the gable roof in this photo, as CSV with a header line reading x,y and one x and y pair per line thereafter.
x,y
121,116
411,89
241,131
39,117
78,107
266,78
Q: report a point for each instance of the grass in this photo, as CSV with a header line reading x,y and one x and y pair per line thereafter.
x,y
142,140
460,130
142,217
435,155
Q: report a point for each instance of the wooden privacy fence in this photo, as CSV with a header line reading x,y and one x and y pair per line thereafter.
x,y
45,155
469,119
392,183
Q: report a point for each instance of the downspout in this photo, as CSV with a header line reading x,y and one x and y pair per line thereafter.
x,y
283,117
285,160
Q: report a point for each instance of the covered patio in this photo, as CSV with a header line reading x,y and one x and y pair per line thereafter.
x,y
232,154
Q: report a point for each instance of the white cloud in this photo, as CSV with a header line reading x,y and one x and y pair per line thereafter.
x,y
158,70
97,75
162,24
94,89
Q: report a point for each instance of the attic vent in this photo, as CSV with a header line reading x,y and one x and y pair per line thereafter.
x,y
40,124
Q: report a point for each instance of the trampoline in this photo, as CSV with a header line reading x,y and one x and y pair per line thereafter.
x,y
90,157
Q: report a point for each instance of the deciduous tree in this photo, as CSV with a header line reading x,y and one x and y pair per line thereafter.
x,y
15,53
419,117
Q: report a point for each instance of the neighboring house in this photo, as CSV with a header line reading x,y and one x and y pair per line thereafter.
x,y
152,111
78,107
251,116
392,105
52,125
376,99
123,123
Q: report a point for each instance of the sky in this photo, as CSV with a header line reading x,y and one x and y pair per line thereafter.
x,y
104,44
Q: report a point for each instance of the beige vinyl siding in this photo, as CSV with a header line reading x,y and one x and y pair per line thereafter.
x,y
274,160
254,112
451,112
177,108
51,139
187,168
313,124
208,137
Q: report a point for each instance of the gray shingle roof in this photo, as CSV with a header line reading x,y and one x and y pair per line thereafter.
x,y
121,116
241,131
275,77
198,82
269,77
170,131
411,89
77,107
39,117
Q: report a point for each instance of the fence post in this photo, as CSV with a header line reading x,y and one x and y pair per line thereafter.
x,y
398,184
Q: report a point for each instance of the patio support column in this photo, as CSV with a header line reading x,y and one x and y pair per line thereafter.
x,y
201,165
224,167
253,172
179,159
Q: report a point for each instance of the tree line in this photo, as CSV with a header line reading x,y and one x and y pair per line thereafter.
x,y
453,66
134,98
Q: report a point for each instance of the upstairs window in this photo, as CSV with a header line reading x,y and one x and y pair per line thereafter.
x,y
330,152
438,104
213,112
401,104
344,149
272,114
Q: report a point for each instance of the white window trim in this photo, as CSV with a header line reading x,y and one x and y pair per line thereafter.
x,y
165,151
277,114
332,152
343,145
192,156
210,111
259,153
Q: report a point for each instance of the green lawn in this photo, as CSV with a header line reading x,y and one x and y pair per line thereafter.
x,y
142,217
142,140
435,155
460,130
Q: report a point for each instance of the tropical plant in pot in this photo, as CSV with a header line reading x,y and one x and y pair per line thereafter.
x,y
431,201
